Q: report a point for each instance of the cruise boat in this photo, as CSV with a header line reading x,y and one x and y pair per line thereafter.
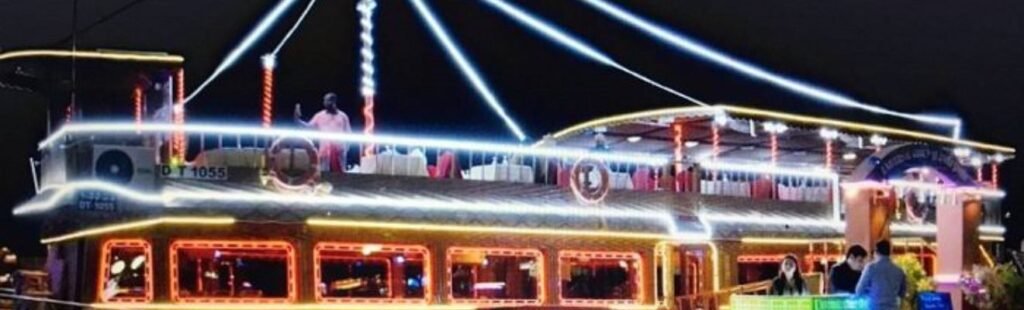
x,y
674,208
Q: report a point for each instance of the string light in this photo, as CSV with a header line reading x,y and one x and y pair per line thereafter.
x,y
105,55
774,129
368,85
178,118
560,37
137,103
269,63
455,53
829,135
692,46
254,35
105,128
677,130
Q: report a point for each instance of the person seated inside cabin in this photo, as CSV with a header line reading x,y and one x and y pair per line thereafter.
x,y
844,276
330,119
789,282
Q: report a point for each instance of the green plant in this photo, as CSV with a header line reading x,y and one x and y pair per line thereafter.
x,y
998,288
917,279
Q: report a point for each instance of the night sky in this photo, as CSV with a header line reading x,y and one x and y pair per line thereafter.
x,y
950,57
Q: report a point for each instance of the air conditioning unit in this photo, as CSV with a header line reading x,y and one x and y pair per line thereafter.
x,y
130,166
125,165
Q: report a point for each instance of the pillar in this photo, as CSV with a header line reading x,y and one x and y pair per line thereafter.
x,y
868,213
959,216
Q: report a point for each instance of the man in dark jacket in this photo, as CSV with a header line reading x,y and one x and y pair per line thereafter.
x,y
844,276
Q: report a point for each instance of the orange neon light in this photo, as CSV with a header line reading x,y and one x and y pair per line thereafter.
x,y
378,248
631,256
268,97
715,141
677,132
775,148
369,123
137,104
514,252
105,269
178,118
995,175
233,245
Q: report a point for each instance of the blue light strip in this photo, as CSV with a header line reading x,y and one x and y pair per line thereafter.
x,y
692,46
246,43
465,66
559,36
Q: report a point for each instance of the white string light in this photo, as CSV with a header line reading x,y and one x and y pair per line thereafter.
x,y
553,33
465,66
692,46
368,84
240,49
130,128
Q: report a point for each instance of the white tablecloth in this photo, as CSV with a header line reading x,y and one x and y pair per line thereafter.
x,y
620,180
501,172
394,164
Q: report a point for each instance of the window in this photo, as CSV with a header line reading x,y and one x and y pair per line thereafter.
x,y
495,276
371,272
600,277
232,271
126,274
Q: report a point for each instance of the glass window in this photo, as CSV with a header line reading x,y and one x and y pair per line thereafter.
x,y
347,272
604,276
125,271
225,271
495,275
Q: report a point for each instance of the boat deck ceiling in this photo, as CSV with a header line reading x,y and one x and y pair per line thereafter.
x,y
797,147
397,199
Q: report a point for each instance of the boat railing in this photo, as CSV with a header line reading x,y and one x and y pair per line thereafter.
x,y
249,147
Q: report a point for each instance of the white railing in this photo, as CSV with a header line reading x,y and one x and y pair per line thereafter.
x,y
209,144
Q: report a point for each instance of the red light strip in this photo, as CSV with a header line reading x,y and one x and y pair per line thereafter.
x,y
230,244
268,97
775,148
137,104
384,248
638,283
536,254
178,118
677,130
105,269
995,175
370,123
715,139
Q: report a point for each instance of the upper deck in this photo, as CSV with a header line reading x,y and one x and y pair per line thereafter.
x,y
676,173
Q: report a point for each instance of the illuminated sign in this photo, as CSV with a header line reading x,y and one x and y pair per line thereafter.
x,y
893,163
208,173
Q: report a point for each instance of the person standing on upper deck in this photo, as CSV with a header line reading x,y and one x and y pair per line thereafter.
x,y
882,281
330,119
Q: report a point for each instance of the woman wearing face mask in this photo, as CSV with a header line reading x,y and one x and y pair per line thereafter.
x,y
789,282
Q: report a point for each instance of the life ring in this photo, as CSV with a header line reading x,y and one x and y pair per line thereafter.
x,y
278,175
584,191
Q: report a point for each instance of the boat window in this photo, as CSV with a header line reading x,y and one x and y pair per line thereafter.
x,y
125,272
226,271
495,275
349,272
605,276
